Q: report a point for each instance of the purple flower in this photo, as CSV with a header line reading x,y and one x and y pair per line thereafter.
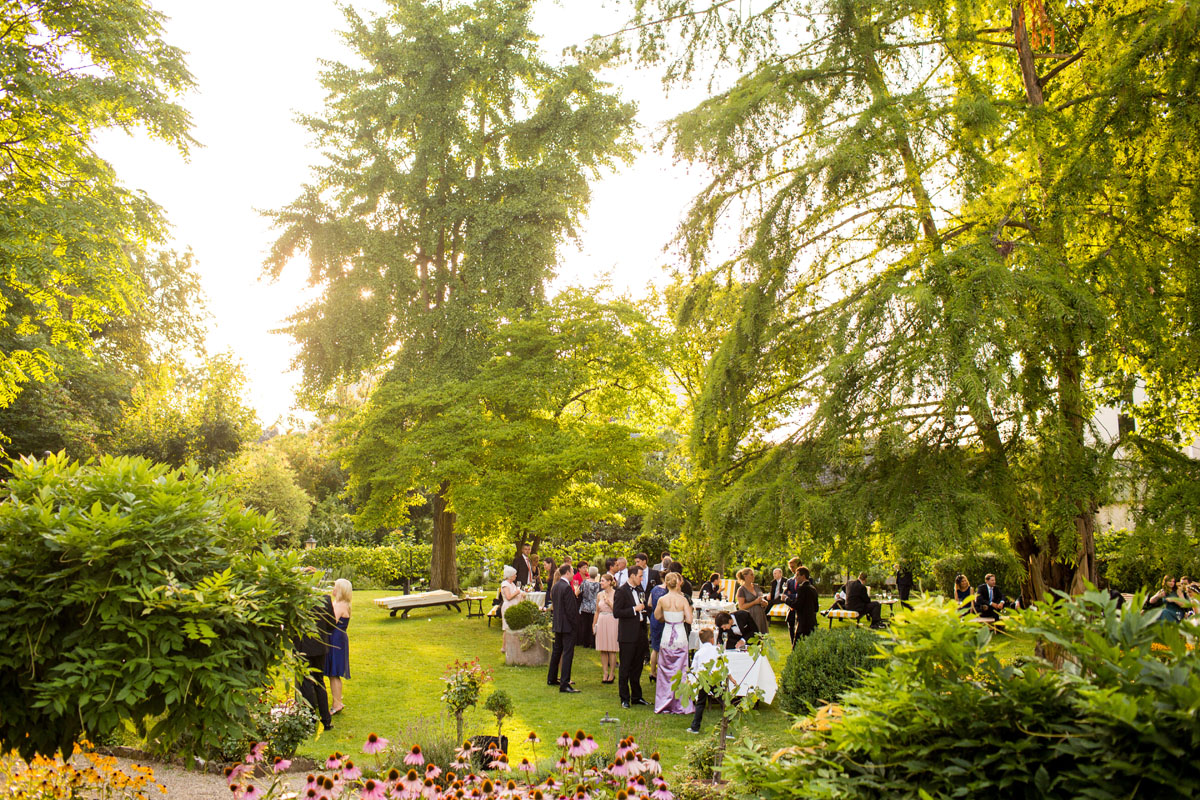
x,y
564,740
351,772
256,753
414,757
334,761
375,744
280,764
251,792
372,790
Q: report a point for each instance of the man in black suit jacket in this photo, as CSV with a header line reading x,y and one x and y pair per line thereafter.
x,y
858,599
523,564
990,601
775,588
566,625
629,607
313,648
733,629
804,604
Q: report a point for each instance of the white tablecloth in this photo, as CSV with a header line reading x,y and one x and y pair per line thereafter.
x,y
706,608
537,598
750,673
694,638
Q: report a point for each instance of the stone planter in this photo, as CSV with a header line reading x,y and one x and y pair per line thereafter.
x,y
517,655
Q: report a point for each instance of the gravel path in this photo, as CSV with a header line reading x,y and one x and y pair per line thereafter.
x,y
192,784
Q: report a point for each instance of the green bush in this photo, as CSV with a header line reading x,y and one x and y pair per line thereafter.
x,y
1005,566
1138,559
824,665
945,715
121,598
523,615
373,566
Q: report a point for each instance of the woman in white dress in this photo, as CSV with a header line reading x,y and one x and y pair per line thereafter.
x,y
510,595
674,611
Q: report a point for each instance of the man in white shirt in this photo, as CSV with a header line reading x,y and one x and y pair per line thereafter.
x,y
664,563
622,573
706,653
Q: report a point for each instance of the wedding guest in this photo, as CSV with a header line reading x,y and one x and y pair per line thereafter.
x,y
904,583
790,597
964,595
581,575
566,622
664,562
650,576
705,654
313,649
337,659
712,589
510,595
806,604
1174,606
656,626
629,607
751,600
523,564
736,629
990,602
858,598
545,579
674,612
622,573
604,626
775,590
587,608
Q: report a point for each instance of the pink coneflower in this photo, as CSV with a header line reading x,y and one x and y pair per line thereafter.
x,y
374,744
618,767
651,765
552,784
414,757
564,740
532,738
256,753
563,764
410,782
576,750
234,773
432,771
280,764
429,789
501,763
310,793
632,762
350,772
624,747
660,792
525,766
312,781
372,790
251,792
590,744
334,761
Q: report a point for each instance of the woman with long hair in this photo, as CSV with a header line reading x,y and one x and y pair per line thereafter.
x,y
604,626
337,659
675,613
751,600
1174,607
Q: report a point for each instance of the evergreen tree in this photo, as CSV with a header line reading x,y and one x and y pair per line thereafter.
x,y
458,162
967,226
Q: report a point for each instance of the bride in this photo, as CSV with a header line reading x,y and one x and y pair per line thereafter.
x,y
673,610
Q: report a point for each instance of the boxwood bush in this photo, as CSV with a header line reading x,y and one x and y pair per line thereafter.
x,y
824,665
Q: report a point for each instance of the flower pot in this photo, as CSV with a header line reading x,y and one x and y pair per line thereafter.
x,y
483,743
518,654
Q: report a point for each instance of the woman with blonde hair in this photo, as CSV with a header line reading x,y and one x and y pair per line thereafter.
x,y
674,612
604,626
337,659
751,600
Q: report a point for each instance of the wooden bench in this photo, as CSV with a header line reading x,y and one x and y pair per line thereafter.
x,y
839,613
405,603
493,613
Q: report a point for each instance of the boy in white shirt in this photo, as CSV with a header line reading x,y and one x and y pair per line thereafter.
x,y
705,654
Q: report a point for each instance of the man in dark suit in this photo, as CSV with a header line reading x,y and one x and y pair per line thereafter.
x,y
629,607
566,624
790,595
735,630
904,583
858,599
650,576
990,602
523,564
807,603
775,588
313,649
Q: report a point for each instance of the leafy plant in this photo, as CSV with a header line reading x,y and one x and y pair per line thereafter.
x,y
464,680
123,574
500,705
942,712
824,665
1004,565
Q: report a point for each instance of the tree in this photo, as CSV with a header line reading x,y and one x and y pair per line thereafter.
x,y
262,479
458,161
133,592
179,415
966,228
68,229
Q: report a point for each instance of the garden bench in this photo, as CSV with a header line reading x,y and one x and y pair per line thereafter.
x,y
839,613
405,603
492,613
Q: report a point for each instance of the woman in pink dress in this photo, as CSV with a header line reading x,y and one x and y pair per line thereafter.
x,y
674,611
605,627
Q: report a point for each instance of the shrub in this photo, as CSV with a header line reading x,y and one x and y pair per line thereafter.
x,y
373,566
500,705
522,615
824,665
944,712
1138,559
123,573
1005,566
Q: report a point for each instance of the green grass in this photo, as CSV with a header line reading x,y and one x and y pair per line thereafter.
x,y
397,666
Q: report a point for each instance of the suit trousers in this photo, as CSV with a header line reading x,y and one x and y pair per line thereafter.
x,y
562,656
312,688
629,678
791,622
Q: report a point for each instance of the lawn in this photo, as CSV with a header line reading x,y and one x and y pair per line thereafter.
x,y
395,691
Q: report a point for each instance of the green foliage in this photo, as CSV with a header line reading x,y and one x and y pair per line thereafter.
x,y
1004,566
373,566
283,726
825,665
464,681
499,705
330,524
68,229
1119,722
1137,560
263,480
142,601
523,615
179,415
952,253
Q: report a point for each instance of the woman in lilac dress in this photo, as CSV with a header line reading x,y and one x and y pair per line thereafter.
x,y
674,611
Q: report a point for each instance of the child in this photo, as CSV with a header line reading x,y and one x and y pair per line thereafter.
x,y
706,653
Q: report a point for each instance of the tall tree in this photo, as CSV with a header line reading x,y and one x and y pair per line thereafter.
x,y
68,229
458,162
967,227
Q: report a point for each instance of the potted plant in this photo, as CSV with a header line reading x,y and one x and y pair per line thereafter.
x,y
529,636
501,706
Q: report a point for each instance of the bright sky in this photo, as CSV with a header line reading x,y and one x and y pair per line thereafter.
x,y
256,65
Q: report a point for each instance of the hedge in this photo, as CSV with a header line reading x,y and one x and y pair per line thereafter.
x,y
1005,566
824,665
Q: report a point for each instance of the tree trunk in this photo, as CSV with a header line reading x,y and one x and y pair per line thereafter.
x,y
719,758
458,719
443,567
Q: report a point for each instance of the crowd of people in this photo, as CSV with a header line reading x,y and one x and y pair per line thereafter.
x,y
1175,598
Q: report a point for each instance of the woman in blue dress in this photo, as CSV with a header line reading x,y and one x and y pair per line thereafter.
x,y
337,660
656,628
